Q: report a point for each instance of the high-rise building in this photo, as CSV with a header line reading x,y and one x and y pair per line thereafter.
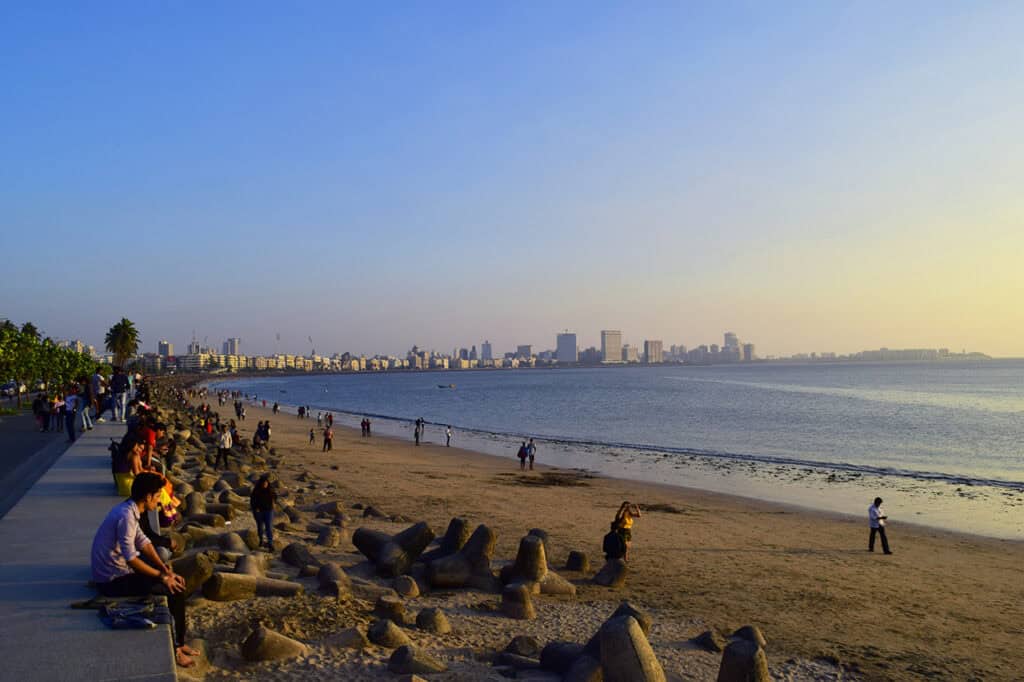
x,y
485,351
748,352
194,348
630,353
653,353
565,345
165,349
524,351
233,346
611,345
731,340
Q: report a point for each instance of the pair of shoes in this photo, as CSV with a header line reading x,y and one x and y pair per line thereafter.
x,y
100,420
888,552
89,428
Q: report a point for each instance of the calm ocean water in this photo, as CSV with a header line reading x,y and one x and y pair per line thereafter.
x,y
884,425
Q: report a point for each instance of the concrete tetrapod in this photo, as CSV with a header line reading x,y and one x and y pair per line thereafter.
x,y
470,566
236,586
195,568
333,580
612,574
250,564
385,633
266,645
531,566
452,541
195,503
433,620
393,555
625,608
516,602
298,555
626,655
408,659
743,661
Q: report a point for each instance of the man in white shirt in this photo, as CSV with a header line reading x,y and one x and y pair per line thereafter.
x,y
876,519
224,444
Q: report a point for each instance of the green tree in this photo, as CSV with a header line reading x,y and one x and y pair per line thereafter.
x,y
123,341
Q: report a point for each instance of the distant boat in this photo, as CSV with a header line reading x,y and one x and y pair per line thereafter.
x,y
446,386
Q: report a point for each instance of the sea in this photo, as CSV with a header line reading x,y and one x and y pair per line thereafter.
x,y
941,443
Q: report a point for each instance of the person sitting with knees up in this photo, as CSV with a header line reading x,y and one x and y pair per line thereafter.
x,y
125,563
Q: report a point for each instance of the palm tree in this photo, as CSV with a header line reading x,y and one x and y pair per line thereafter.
x,y
123,341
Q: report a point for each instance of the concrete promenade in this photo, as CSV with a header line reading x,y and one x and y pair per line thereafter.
x,y
45,541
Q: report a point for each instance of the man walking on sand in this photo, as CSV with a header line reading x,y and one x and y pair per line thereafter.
x,y
876,519
448,436
531,452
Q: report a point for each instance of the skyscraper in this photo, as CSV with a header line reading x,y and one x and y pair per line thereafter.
x,y
653,353
524,351
565,345
233,346
731,340
611,345
485,351
165,349
748,352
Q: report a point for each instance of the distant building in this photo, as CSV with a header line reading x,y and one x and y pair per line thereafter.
x,y
731,340
566,349
653,353
165,349
748,352
590,356
524,351
193,348
485,351
233,346
611,345
630,353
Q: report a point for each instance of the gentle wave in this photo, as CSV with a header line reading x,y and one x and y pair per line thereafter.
x,y
973,401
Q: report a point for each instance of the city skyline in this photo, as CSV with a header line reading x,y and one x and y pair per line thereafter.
x,y
830,177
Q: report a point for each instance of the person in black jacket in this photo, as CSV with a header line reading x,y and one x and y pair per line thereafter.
x,y
262,503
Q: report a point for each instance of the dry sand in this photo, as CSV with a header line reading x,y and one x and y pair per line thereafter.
x,y
944,606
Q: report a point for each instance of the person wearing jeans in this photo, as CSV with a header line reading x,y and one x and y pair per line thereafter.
x,y
83,407
262,503
70,401
125,562
119,391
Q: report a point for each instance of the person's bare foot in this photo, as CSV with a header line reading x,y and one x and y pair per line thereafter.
x,y
182,659
189,650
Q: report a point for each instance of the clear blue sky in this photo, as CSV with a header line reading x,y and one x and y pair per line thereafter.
x,y
813,176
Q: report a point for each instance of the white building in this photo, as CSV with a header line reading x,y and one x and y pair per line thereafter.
x,y
566,349
611,345
653,352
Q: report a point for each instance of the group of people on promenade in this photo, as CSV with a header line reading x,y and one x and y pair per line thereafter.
x,y
81,404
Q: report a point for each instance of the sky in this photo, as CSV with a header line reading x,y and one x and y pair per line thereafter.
x,y
813,176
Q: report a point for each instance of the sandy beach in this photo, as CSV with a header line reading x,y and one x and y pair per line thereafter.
x,y
944,606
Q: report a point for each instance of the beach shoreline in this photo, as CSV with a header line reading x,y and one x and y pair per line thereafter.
x,y
949,503
701,560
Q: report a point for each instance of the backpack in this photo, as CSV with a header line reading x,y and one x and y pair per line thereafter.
x,y
614,546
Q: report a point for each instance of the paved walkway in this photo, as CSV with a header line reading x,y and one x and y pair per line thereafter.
x,y
44,566
25,455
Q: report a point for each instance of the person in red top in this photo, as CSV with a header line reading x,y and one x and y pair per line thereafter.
x,y
149,433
